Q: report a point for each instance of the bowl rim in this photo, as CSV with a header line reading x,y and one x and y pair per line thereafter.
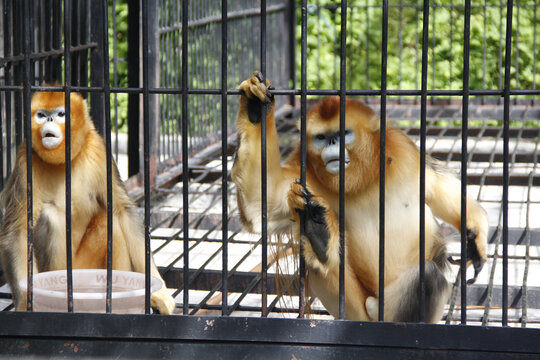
x,y
155,285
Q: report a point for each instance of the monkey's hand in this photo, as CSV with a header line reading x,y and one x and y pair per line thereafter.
x,y
476,254
256,94
163,301
321,232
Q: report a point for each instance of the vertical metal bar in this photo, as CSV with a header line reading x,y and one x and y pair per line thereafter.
x,y
535,52
303,151
484,47
28,134
185,165
291,14
464,130
367,48
18,68
516,65
67,90
506,140
115,78
382,156
423,115
133,65
98,67
8,27
433,47
342,100
224,172
146,151
107,106
400,47
264,204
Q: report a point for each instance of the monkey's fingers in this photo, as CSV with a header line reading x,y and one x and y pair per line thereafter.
x,y
473,257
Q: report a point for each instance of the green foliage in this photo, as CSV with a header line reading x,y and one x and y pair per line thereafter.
x,y
445,44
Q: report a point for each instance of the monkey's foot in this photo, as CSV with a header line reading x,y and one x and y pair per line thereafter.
x,y
318,221
473,256
372,308
163,302
257,93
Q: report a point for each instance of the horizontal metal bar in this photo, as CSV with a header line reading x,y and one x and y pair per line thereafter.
x,y
46,54
166,331
217,19
166,91
238,281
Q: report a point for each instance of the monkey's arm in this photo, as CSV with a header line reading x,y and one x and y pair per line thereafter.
x,y
321,229
443,196
13,233
246,172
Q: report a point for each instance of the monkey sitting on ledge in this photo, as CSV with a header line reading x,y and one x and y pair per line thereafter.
x,y
88,202
319,201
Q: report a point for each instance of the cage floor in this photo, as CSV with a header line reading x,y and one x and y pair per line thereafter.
x,y
485,174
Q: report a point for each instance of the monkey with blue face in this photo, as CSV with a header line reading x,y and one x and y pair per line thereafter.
x,y
88,202
319,201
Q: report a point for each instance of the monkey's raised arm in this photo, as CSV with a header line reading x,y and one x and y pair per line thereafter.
x,y
246,172
443,196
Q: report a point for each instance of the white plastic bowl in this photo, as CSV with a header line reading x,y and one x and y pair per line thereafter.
x,y
89,291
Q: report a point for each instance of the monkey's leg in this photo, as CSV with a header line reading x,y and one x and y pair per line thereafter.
x,y
129,231
321,231
402,296
92,250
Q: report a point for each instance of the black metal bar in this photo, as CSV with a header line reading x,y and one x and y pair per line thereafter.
x,y
382,157
464,134
67,89
133,64
185,178
146,151
303,152
423,115
107,120
224,145
291,18
506,127
264,200
98,66
28,134
161,332
8,26
18,68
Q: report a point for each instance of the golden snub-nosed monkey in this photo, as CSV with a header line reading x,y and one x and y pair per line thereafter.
x,y
88,202
319,201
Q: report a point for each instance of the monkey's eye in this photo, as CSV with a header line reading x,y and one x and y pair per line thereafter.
x,y
40,117
60,116
320,137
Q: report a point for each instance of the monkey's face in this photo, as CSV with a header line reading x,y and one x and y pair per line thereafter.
x,y
323,147
327,144
48,125
52,126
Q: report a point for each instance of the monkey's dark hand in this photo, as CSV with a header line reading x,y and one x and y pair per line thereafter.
x,y
258,95
473,256
315,223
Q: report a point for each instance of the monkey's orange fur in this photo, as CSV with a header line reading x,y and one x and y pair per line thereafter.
x,y
88,206
285,196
